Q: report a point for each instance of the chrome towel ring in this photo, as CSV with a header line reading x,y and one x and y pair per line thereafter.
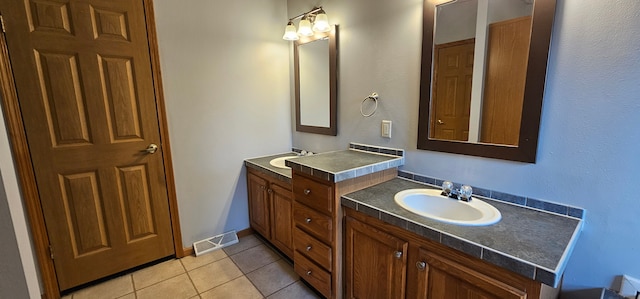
x,y
374,97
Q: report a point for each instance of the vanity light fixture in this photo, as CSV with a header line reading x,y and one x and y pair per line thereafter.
x,y
317,16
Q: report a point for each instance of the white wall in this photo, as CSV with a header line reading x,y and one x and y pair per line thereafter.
x,y
226,81
588,153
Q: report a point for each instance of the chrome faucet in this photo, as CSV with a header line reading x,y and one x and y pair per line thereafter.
x,y
464,193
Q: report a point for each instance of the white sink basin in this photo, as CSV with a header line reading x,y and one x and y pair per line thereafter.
x,y
279,162
431,204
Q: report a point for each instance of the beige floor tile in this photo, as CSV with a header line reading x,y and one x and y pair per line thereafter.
x,y
273,277
191,262
157,273
240,287
113,288
179,287
212,275
244,244
296,290
254,258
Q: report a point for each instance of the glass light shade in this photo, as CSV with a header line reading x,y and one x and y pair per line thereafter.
x,y
321,23
304,28
290,32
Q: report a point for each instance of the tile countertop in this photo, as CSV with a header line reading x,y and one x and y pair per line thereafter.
x,y
262,164
533,243
343,165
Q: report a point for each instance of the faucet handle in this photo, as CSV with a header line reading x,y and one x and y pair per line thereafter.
x,y
465,193
447,187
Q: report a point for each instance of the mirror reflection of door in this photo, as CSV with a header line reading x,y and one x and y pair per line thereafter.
x,y
478,89
508,51
451,102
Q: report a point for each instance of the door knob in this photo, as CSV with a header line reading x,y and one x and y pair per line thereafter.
x,y
440,122
152,148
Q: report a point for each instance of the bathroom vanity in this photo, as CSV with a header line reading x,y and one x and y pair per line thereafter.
x,y
348,238
521,256
271,201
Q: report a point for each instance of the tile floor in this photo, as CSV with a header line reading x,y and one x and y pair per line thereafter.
x,y
249,269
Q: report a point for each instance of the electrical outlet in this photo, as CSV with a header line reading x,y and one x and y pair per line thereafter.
x,y
386,128
629,287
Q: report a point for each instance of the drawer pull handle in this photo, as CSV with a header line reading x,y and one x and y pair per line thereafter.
x,y
307,191
308,220
309,273
421,265
398,254
308,247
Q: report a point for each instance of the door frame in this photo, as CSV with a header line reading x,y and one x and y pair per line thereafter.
x,y
24,165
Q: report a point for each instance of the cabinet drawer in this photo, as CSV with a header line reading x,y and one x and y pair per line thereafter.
x,y
312,248
313,194
313,274
313,222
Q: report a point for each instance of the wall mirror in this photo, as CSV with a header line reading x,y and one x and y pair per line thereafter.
x,y
482,80
316,83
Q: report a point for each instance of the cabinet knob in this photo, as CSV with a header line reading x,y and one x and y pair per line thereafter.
x,y
398,254
269,191
261,187
307,191
309,273
421,265
308,220
308,247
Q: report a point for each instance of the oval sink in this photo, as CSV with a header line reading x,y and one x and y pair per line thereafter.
x,y
279,162
431,204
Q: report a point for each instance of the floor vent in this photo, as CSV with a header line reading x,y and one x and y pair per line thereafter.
x,y
215,242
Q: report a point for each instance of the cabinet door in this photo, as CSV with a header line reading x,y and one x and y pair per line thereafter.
x,y
258,204
442,278
375,262
282,233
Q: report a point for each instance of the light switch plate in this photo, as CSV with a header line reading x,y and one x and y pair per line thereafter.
x,y
386,128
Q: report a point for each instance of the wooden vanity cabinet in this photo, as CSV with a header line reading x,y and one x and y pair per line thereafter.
x,y
271,210
426,268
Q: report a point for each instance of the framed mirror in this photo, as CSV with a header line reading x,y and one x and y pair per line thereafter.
x,y
316,83
482,79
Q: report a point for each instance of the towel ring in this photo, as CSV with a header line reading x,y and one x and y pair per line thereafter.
x,y
374,97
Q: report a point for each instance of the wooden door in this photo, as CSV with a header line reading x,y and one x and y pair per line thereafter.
x,y
84,83
507,56
282,217
375,262
259,205
451,100
442,278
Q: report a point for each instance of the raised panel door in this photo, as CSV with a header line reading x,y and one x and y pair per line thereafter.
x,y
84,82
375,262
282,217
259,207
442,278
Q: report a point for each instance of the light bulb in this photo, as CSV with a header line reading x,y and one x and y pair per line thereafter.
x,y
290,32
321,23
304,27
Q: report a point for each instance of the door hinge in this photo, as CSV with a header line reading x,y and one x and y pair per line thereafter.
x,y
50,251
2,23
